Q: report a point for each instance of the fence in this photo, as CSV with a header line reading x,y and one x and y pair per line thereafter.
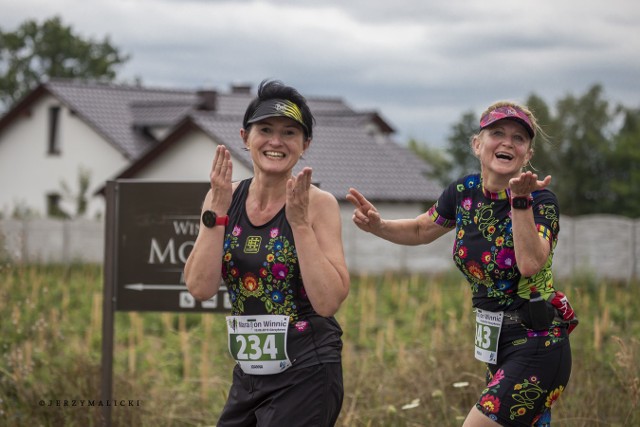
x,y
603,245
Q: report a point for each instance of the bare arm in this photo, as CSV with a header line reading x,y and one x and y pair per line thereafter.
x,y
314,216
531,249
411,231
203,269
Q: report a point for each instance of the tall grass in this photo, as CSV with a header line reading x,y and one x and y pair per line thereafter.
x,y
408,357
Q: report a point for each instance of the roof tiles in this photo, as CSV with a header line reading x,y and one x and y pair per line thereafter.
x,y
345,152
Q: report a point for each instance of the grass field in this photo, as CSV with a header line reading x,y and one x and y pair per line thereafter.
x,y
408,357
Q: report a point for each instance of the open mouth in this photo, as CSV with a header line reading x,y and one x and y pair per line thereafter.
x,y
274,154
504,156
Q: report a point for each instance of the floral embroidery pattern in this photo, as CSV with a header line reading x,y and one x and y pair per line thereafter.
x,y
506,258
553,396
543,419
525,395
302,325
271,286
497,377
250,283
229,270
553,334
490,404
493,271
278,269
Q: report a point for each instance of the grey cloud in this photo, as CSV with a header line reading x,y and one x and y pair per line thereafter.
x,y
421,64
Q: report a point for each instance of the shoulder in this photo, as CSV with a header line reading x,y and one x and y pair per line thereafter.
x,y
465,184
323,206
469,182
318,198
545,196
244,183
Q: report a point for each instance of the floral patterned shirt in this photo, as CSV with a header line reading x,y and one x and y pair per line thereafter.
x,y
483,248
260,268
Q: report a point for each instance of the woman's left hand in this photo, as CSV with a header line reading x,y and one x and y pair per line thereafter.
x,y
527,183
297,206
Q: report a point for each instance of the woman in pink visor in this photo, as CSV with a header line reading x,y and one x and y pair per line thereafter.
x,y
506,224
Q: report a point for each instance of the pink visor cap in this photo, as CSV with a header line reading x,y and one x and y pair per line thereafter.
x,y
508,112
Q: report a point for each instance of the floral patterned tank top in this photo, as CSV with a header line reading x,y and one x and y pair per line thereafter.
x,y
262,274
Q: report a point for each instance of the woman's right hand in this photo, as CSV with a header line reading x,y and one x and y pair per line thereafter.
x,y
220,178
409,231
365,215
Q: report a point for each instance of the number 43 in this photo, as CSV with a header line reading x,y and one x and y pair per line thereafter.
x,y
483,336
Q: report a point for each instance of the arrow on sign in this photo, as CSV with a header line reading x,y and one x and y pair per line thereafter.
x,y
150,287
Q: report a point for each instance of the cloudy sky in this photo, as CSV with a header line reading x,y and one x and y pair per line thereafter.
x,y
421,64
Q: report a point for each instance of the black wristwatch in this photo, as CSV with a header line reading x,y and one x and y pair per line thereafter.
x,y
521,202
210,219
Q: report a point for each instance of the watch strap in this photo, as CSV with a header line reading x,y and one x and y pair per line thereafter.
x,y
210,219
222,220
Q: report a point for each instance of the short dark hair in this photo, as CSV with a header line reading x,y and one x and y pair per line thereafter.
x,y
275,89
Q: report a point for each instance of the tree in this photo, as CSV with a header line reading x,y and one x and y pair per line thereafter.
x,y
625,165
78,199
436,158
34,53
463,160
545,159
584,143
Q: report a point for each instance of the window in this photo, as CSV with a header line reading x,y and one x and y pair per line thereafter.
x,y
53,206
54,143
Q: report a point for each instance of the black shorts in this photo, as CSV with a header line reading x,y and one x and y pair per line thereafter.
x,y
309,396
533,370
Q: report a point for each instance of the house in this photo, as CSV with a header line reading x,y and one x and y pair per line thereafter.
x,y
65,131
63,128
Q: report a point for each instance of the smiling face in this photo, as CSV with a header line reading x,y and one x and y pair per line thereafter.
x,y
503,148
276,144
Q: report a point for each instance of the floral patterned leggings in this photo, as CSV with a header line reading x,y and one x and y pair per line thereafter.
x,y
533,370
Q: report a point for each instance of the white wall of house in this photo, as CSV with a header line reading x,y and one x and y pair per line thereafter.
x,y
28,172
189,160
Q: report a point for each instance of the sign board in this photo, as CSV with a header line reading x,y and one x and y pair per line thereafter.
x,y
156,224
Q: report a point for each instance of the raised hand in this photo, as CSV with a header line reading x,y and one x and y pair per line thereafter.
x,y
527,183
365,215
220,178
297,205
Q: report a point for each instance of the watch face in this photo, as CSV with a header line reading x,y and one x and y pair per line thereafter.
x,y
209,219
520,203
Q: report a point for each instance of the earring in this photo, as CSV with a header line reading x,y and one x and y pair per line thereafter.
x,y
528,165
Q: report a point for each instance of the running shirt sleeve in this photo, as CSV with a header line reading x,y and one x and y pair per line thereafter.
x,y
443,212
546,215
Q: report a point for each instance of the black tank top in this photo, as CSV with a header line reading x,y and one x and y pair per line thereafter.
x,y
262,274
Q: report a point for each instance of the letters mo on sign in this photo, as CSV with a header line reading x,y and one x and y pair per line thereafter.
x,y
154,225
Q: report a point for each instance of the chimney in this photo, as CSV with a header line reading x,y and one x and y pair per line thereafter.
x,y
207,100
241,88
